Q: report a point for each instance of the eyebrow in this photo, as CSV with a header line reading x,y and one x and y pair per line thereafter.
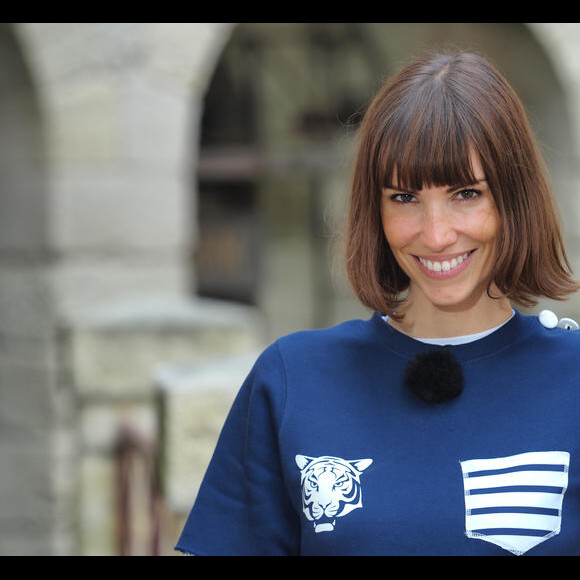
x,y
449,189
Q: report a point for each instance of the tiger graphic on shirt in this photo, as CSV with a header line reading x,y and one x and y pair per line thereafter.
x,y
331,488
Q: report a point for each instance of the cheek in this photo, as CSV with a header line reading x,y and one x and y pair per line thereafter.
x,y
485,227
398,231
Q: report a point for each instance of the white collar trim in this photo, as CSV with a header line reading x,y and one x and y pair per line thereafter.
x,y
465,339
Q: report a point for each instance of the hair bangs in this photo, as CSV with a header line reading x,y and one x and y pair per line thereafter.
x,y
428,144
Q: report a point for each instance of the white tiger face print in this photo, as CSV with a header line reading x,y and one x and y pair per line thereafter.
x,y
331,488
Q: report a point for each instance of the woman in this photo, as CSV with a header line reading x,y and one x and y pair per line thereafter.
x,y
446,424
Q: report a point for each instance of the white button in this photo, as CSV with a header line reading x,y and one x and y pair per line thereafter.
x,y
568,324
548,319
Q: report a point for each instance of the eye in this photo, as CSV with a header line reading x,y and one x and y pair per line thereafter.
x,y
403,198
467,194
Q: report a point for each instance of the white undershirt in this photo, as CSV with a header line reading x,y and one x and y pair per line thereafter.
x,y
466,338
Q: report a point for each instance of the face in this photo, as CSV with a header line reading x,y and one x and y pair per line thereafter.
x,y
444,239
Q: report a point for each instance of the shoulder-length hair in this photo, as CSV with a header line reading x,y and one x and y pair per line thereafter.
x,y
419,130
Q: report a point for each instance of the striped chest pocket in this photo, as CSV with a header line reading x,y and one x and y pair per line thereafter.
x,y
515,502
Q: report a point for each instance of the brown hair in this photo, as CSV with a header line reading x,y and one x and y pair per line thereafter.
x,y
420,128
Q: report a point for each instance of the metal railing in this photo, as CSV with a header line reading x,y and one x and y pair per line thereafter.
x,y
139,500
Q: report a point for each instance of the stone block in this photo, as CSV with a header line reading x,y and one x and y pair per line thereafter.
x,y
134,210
26,483
195,402
97,280
97,506
26,536
116,352
25,300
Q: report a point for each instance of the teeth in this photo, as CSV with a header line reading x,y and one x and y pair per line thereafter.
x,y
444,266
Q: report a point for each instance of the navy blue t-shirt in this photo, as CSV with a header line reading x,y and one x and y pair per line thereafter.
x,y
325,452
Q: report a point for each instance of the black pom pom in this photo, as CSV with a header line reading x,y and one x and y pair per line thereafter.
x,y
434,376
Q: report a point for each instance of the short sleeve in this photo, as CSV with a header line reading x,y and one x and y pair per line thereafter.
x,y
242,507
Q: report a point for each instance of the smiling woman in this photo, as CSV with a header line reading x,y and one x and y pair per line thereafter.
x,y
451,121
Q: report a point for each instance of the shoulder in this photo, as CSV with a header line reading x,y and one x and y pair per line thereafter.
x,y
553,332
344,335
311,347
312,343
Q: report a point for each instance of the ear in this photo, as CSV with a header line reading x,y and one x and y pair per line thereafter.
x,y
302,461
361,464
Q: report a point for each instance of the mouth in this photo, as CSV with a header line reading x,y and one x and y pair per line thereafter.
x,y
444,268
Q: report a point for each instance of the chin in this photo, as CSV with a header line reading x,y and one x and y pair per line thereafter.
x,y
454,302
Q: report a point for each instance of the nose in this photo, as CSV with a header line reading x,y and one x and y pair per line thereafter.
x,y
439,230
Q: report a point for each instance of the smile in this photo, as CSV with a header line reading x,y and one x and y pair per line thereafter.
x,y
450,266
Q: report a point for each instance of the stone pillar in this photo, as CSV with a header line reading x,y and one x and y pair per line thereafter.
x,y
119,106
121,102
27,369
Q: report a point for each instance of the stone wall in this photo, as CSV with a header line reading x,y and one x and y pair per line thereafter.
x,y
91,290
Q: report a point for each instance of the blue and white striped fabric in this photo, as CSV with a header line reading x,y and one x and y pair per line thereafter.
x,y
515,502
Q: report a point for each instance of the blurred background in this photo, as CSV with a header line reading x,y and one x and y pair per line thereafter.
x,y
171,201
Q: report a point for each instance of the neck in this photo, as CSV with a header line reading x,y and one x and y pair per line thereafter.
x,y
426,320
